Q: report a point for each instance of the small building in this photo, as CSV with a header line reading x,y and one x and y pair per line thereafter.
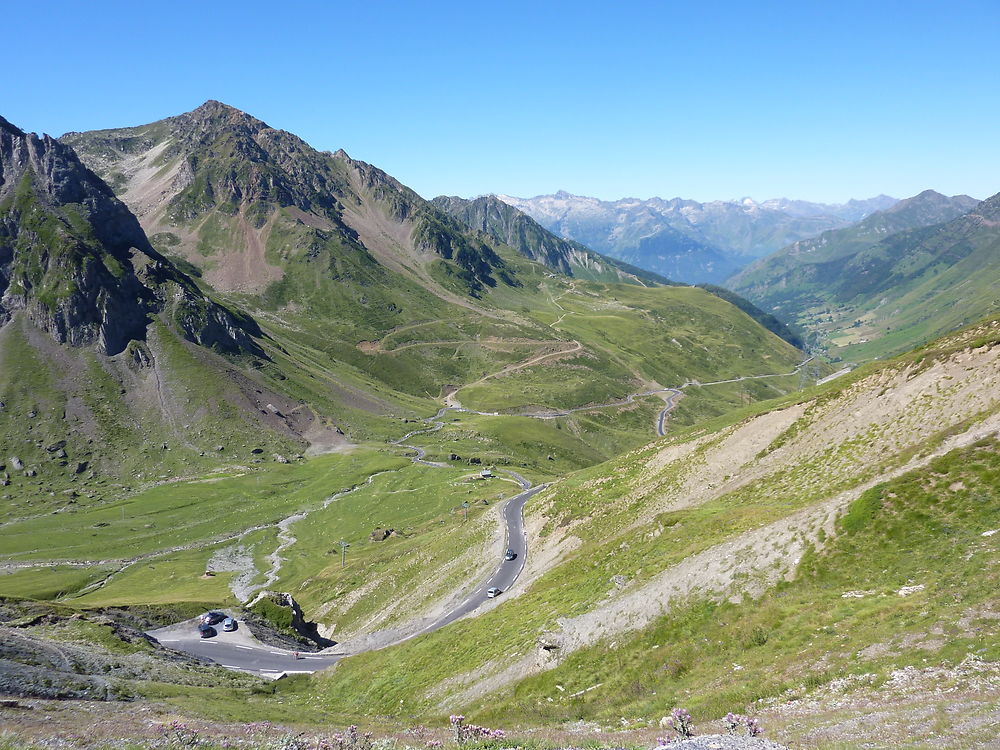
x,y
486,473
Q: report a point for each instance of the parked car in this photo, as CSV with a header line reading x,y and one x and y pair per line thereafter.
x,y
493,593
229,624
510,554
213,618
206,631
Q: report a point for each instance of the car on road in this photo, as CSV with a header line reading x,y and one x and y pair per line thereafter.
x,y
206,631
229,624
510,554
493,592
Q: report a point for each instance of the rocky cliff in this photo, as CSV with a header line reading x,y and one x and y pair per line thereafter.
x,y
76,261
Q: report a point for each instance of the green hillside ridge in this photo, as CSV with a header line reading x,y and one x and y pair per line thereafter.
x,y
819,543
781,498
343,270
171,454
828,285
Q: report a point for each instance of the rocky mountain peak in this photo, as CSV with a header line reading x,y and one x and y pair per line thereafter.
x,y
218,112
77,262
933,206
9,127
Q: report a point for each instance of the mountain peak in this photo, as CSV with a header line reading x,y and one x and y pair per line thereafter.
x,y
213,106
216,112
11,128
933,201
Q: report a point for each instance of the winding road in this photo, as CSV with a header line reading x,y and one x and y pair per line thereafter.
x,y
240,650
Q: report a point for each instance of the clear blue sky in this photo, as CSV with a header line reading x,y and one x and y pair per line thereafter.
x,y
814,100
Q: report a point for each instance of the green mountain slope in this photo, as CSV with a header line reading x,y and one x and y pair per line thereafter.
x,y
116,369
227,191
825,542
338,259
833,274
362,332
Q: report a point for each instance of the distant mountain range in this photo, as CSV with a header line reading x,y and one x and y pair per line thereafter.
x,y
506,224
686,240
895,279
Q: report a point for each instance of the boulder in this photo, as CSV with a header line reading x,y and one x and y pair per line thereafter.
x,y
16,463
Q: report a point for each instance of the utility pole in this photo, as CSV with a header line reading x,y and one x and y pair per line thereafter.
x,y
343,552
465,509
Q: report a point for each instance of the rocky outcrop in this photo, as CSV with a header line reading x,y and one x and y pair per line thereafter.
x,y
506,224
296,621
74,259
347,215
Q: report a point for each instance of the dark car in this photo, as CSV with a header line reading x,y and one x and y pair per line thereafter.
x,y
213,618
229,624
510,554
206,631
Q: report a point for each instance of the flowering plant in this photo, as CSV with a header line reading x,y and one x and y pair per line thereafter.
x,y
751,725
179,734
680,722
470,732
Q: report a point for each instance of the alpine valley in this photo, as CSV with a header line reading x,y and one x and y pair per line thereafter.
x,y
488,457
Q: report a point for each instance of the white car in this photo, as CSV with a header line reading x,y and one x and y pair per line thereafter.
x,y
493,593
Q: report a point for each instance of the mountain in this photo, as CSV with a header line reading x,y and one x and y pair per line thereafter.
x,y
76,261
686,240
506,224
376,310
828,283
771,323
230,193
114,363
852,211
796,562
339,256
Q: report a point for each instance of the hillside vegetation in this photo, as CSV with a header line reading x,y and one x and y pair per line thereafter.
x,y
887,283
136,471
659,571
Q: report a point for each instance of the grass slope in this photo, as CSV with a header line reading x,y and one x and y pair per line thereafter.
x,y
619,530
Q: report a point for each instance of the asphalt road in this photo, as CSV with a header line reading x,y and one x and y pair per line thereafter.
x,y
240,650
507,571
